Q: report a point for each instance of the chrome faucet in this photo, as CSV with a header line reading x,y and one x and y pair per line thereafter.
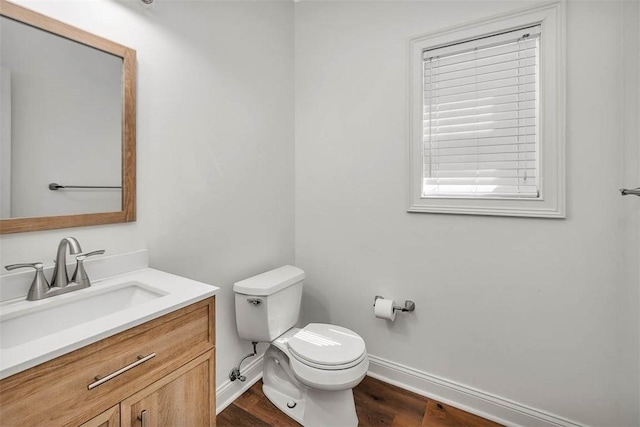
x,y
60,277
60,283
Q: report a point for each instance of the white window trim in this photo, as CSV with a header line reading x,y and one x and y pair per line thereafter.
x,y
551,203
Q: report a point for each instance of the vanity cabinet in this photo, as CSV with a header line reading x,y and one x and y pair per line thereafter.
x,y
165,367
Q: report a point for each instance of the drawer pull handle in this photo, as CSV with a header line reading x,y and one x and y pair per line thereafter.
x,y
143,418
101,380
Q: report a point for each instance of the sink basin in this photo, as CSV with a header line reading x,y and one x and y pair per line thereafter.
x,y
59,313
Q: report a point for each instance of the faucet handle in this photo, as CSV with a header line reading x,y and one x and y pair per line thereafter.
x,y
35,265
88,254
80,275
39,285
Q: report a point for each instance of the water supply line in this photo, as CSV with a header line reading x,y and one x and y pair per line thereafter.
x,y
235,372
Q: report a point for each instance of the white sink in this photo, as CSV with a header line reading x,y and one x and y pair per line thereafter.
x,y
53,315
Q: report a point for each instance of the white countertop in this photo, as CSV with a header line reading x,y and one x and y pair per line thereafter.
x,y
177,292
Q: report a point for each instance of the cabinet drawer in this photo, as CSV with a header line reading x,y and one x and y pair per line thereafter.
x,y
57,392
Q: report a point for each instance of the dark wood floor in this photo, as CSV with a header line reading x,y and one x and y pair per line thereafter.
x,y
377,404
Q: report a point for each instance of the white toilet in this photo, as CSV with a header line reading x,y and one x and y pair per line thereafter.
x,y
308,373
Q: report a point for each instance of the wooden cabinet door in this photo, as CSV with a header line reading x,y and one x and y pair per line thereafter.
x,y
109,418
186,397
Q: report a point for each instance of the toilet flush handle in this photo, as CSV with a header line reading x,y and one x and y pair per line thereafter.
x,y
254,301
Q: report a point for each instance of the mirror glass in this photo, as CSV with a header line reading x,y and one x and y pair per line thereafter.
x,y
67,125
61,109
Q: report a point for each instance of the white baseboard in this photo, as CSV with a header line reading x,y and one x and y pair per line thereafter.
x,y
229,391
475,401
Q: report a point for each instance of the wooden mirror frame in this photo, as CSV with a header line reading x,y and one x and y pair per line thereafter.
x,y
128,212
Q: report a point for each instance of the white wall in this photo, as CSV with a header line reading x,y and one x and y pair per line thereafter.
x,y
536,311
630,224
65,123
5,143
215,143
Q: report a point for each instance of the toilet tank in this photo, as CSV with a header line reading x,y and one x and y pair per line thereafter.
x,y
267,305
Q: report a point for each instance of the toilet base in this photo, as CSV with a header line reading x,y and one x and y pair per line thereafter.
x,y
317,408
309,407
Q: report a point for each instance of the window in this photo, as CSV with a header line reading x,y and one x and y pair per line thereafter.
x,y
480,134
487,117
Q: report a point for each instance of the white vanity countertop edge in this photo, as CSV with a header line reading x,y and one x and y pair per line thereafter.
x,y
181,292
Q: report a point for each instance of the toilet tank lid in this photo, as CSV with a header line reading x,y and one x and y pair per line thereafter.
x,y
270,282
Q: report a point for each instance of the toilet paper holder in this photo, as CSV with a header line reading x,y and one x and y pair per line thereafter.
x,y
408,305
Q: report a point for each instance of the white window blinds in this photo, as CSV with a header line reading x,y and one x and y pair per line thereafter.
x,y
480,118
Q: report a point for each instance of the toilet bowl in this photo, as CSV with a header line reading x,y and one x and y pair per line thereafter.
x,y
308,373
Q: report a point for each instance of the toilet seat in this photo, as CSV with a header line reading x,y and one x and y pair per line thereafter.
x,y
328,367
326,346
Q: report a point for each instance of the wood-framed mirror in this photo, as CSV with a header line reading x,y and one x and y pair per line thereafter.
x,y
67,125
